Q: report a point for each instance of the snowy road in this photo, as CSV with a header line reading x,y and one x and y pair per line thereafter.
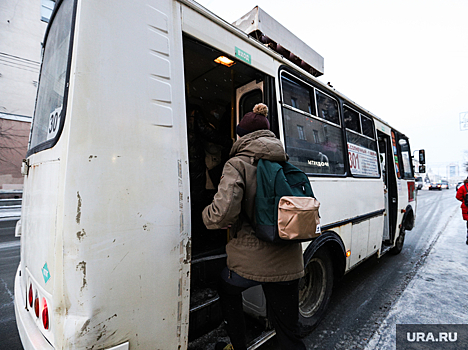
x,y
9,259
363,298
360,302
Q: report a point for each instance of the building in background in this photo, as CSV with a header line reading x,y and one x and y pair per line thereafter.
x,y
22,27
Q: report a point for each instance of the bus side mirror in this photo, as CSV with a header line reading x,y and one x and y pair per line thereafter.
x,y
422,157
422,168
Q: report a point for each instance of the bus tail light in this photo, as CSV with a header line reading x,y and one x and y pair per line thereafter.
x,y
30,296
36,305
45,314
411,191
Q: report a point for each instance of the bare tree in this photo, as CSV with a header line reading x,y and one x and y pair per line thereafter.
x,y
12,142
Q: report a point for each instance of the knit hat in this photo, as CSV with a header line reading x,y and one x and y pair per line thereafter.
x,y
253,121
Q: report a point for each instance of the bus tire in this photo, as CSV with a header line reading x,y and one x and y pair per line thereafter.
x,y
398,243
315,290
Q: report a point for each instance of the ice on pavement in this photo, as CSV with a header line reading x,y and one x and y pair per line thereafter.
x,y
438,294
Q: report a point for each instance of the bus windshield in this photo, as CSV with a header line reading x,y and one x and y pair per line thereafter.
x,y
52,85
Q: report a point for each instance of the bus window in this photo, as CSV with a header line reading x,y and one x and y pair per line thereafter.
x,y
313,145
396,155
297,96
351,119
248,101
327,108
50,107
362,146
368,128
406,168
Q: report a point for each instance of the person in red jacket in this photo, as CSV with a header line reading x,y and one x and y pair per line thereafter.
x,y
461,194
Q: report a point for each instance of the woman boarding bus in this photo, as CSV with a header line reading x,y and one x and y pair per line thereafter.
x,y
113,255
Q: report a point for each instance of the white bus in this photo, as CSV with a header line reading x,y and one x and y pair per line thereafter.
x,y
136,108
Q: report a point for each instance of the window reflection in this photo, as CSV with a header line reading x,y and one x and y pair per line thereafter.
x,y
316,147
327,108
406,159
297,96
367,126
51,91
351,119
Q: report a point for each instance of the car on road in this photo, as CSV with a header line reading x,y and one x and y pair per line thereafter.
x,y
435,186
445,184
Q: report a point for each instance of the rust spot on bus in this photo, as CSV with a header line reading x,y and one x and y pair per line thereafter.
x,y
188,252
82,266
81,234
85,328
78,209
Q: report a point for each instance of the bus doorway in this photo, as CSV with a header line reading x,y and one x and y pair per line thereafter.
x,y
390,187
218,90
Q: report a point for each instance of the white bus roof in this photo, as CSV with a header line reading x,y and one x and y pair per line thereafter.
x,y
265,21
261,23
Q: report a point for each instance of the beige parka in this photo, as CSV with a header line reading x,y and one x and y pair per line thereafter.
x,y
248,256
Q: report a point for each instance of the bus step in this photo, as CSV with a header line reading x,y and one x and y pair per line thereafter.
x,y
204,317
385,249
256,336
205,304
261,339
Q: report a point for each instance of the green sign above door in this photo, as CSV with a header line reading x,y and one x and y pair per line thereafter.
x,y
243,56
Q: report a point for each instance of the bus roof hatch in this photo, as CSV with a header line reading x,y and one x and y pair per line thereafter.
x,y
260,25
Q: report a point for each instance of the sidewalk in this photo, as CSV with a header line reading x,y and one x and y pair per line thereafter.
x,y
438,294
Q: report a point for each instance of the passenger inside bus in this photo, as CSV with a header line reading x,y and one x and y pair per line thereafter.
x,y
208,150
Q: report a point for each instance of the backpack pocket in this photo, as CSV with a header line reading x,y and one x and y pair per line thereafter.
x,y
298,218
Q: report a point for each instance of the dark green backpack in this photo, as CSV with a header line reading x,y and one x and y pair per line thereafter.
x,y
285,207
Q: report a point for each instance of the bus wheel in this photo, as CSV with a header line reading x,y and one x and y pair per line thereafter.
x,y
399,243
315,290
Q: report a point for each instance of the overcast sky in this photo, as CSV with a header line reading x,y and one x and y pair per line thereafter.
x,y
406,61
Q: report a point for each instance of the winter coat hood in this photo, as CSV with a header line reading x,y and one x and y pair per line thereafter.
x,y
261,144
